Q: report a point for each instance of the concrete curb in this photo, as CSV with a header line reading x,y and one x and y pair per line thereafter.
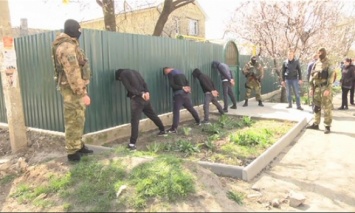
x,y
254,168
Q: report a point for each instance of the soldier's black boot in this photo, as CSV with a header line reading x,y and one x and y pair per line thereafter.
x,y
313,126
85,150
327,130
74,157
245,103
261,103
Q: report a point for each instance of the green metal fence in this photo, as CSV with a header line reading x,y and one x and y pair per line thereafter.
x,y
107,52
3,116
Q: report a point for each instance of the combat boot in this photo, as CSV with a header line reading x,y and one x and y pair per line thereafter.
x,y
74,157
327,130
313,126
85,150
261,103
245,103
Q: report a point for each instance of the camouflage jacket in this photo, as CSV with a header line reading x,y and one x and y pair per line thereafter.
x,y
71,66
322,74
255,70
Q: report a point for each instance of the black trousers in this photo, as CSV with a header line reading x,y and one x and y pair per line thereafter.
x,y
344,97
228,91
352,94
206,105
184,100
139,105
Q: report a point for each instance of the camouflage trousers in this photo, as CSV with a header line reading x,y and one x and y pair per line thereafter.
x,y
325,104
74,118
251,85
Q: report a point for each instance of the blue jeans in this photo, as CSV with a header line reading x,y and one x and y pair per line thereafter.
x,y
293,85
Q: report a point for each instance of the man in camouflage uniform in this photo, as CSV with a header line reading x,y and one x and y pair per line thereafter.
x,y
72,75
254,72
321,82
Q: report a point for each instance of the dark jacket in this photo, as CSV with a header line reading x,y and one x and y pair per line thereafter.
x,y
347,76
223,69
205,81
177,80
132,81
291,70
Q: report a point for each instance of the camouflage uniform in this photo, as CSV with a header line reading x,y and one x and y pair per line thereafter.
x,y
254,72
72,75
321,79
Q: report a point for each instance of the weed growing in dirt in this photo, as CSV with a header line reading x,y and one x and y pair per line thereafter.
x,y
93,185
163,178
7,179
236,197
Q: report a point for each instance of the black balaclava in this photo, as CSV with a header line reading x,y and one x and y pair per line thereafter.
x,y
71,28
323,53
253,60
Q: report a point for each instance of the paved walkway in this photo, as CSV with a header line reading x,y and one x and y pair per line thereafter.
x,y
320,166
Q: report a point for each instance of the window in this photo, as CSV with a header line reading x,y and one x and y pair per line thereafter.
x,y
177,26
193,27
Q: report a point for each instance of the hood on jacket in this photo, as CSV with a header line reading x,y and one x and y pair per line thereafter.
x,y
215,64
118,74
196,73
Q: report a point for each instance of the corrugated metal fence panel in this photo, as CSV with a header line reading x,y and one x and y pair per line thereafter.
x,y
42,102
107,52
3,116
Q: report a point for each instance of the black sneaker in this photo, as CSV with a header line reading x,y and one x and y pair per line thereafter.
x,y
234,107
327,130
162,133
313,126
300,108
85,150
132,147
289,106
198,123
171,131
74,157
225,110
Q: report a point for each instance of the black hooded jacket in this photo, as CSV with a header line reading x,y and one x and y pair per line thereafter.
x,y
132,81
205,81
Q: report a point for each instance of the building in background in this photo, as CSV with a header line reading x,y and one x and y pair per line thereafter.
x,y
188,21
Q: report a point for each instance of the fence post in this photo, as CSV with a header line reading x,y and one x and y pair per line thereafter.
x,y
10,82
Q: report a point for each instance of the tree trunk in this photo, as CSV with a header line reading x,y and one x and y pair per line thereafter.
x,y
108,9
283,98
163,18
169,7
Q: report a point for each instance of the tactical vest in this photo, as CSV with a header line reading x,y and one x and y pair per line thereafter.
x,y
321,72
59,74
252,70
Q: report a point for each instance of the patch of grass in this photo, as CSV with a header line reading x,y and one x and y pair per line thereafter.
x,y
186,130
236,197
95,182
162,178
7,179
187,147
